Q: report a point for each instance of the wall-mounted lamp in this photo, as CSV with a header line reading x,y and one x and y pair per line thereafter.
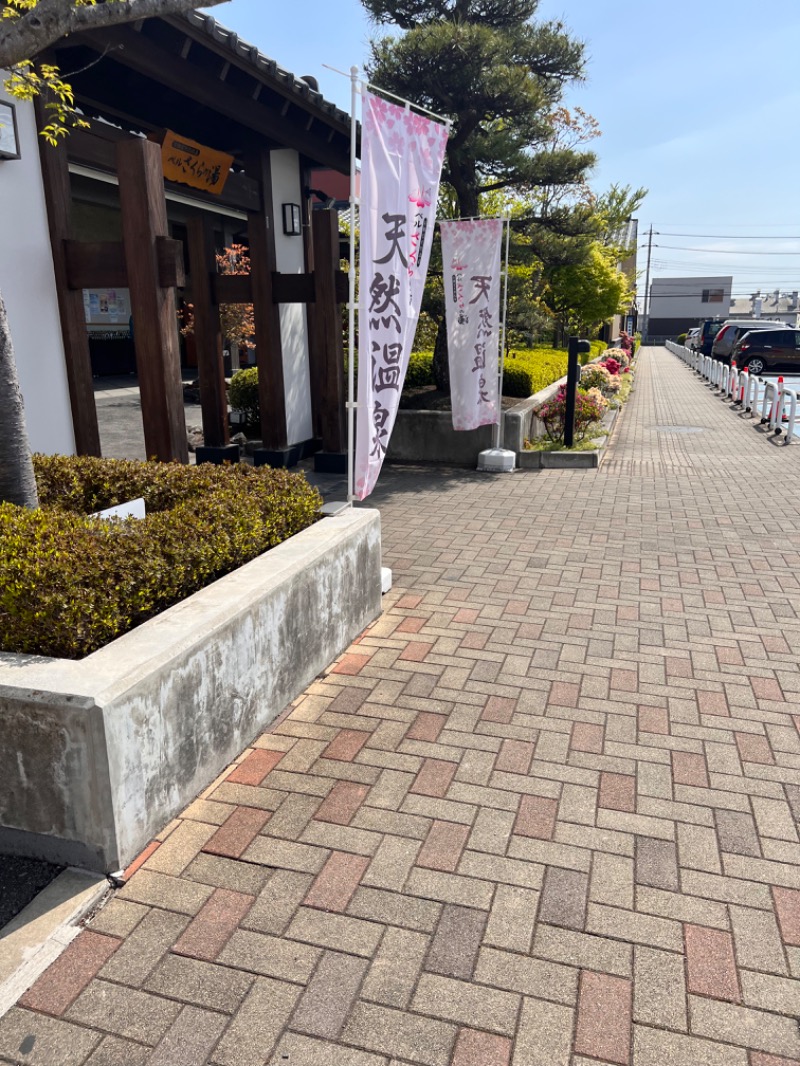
x,y
291,219
9,134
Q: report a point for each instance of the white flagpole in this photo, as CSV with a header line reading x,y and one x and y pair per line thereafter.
x,y
351,316
499,432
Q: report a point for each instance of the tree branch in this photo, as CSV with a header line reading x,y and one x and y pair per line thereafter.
x,y
50,20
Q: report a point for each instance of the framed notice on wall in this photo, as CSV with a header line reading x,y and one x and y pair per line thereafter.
x,y
107,307
9,134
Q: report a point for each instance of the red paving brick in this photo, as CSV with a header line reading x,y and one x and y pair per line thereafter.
x,y
466,615
654,720
409,601
346,745
624,680
711,963
443,846
212,927
587,737
689,768
617,792
411,625
767,688
239,831
758,1058
603,1030
434,778
712,702
255,766
514,757
536,817
564,694
59,987
474,1048
499,709
351,664
416,651
342,802
754,748
426,726
335,884
141,859
787,908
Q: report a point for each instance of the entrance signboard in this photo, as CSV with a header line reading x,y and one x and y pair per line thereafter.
x,y
194,164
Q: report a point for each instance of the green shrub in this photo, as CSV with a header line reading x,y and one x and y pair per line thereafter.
x,y
70,584
243,395
528,370
420,370
681,338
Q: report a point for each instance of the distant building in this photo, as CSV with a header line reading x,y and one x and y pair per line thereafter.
x,y
777,305
677,304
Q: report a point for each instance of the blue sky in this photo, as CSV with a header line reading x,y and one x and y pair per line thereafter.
x,y
697,99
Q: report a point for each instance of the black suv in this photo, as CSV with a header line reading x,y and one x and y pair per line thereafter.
x,y
708,331
768,349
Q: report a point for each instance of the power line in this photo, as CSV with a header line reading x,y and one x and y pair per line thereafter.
x,y
732,236
724,251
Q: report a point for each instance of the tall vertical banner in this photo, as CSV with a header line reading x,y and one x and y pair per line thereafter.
x,y
401,164
471,255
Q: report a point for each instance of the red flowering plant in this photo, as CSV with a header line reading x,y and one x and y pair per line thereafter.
x,y
588,410
612,366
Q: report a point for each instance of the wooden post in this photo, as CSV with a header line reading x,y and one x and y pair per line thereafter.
x,y
155,325
207,333
327,334
55,178
266,313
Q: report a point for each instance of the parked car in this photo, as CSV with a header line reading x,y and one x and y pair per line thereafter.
x,y
732,330
692,342
768,349
708,331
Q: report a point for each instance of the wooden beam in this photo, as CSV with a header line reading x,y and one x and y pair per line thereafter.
x,y
101,264
232,289
207,333
183,76
96,150
327,332
286,288
266,313
144,219
58,199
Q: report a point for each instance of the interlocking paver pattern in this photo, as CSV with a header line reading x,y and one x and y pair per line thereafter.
x,y
544,812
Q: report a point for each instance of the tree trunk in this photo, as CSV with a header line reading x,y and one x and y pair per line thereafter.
x,y
17,481
441,362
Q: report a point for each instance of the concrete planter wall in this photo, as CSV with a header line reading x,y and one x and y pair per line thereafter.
x,y
97,755
429,437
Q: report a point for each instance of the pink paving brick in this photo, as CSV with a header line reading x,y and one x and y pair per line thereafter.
x,y
237,833
468,615
712,702
411,625
255,766
603,1030
653,720
787,908
677,667
754,748
141,859
351,664
627,613
529,631
499,709
767,688
213,926
434,778
409,601
517,607
564,694
624,680
515,757
536,817
336,882
63,982
758,1058
689,768
672,605
443,846
426,726
731,656
416,651
474,641
346,745
342,802
617,792
711,963
481,1049
587,737
775,644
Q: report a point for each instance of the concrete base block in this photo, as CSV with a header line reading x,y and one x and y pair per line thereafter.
x,y
497,461
330,463
226,454
99,754
386,580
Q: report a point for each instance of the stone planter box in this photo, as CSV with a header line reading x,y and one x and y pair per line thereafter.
x,y
569,460
99,754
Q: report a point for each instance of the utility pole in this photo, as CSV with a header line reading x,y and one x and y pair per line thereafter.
x,y
646,316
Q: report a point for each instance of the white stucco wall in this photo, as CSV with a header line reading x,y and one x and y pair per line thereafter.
x,y
683,297
28,286
290,256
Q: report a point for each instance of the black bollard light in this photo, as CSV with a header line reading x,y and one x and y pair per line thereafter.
x,y
576,347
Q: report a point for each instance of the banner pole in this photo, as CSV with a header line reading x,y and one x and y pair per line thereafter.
x,y
351,308
499,432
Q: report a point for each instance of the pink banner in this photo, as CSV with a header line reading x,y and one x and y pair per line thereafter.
x,y
471,261
401,164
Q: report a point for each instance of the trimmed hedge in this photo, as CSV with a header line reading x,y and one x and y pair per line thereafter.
x,y
70,584
243,395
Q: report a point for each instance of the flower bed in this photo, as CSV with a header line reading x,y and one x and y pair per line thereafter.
x,y
69,583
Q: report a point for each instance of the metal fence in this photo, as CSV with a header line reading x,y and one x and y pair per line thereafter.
x,y
773,402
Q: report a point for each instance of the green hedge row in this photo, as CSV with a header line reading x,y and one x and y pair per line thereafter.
x,y
70,584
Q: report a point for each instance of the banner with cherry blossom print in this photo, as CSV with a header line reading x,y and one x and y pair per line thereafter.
x,y
471,254
401,163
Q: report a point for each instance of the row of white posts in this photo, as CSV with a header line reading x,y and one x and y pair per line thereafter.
x,y
776,402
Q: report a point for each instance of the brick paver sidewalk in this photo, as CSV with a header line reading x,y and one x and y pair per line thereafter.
x,y
543,813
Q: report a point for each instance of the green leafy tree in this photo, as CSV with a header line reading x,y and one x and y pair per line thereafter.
x,y
27,28
499,75
583,295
